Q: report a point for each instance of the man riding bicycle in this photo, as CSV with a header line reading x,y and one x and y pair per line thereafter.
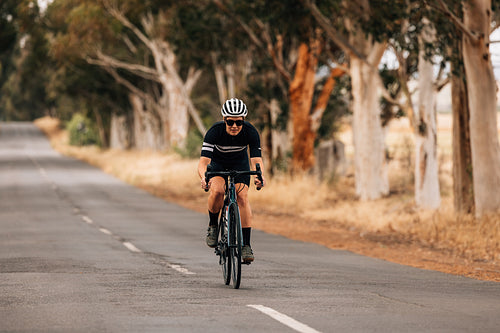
x,y
225,148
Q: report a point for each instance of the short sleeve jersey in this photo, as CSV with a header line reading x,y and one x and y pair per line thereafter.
x,y
230,150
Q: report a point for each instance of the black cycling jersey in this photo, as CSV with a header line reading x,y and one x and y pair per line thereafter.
x,y
230,150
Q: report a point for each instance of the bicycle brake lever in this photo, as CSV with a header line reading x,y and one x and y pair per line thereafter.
x,y
209,168
259,176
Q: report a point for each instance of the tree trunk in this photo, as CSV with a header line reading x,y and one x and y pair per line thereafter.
x,y
481,87
280,143
301,93
100,128
463,188
119,137
427,193
323,98
219,79
368,135
178,118
147,128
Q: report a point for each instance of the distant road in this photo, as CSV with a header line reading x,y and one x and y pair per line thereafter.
x,y
80,251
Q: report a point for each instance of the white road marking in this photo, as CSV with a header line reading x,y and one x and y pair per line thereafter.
x,y
87,219
180,269
105,231
131,247
284,319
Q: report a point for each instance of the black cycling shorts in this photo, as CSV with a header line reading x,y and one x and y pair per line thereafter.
x,y
242,166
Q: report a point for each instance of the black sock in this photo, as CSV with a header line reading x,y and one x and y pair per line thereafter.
x,y
246,235
214,218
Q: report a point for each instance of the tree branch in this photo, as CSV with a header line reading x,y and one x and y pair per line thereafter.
x,y
245,27
139,70
278,61
326,25
117,14
129,85
323,98
443,8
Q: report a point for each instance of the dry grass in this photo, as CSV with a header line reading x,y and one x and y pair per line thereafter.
x,y
391,219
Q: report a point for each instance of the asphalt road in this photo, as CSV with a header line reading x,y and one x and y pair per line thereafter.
x,y
80,251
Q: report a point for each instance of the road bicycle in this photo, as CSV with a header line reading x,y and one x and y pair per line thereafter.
x,y
231,238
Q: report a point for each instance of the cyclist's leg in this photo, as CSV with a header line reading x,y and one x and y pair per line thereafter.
x,y
246,222
244,205
216,194
215,202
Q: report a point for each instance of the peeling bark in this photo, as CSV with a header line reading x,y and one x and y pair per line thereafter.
x,y
301,94
481,87
368,134
463,184
427,192
147,127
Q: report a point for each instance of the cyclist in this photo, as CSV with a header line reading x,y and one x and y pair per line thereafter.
x,y
225,148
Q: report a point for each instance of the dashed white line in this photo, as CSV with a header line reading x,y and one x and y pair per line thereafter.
x,y
180,269
87,219
105,231
284,319
131,247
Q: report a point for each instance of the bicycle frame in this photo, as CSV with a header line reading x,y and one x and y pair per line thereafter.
x,y
231,199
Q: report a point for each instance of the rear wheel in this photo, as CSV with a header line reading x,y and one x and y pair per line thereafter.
x,y
235,248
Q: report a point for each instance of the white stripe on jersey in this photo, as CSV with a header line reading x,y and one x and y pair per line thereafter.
x,y
230,149
207,146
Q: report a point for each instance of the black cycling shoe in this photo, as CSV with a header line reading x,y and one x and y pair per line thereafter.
x,y
212,236
247,254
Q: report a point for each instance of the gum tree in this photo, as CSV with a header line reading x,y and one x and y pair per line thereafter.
x,y
290,39
474,19
361,29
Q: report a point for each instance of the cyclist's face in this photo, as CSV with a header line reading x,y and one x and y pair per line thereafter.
x,y
236,125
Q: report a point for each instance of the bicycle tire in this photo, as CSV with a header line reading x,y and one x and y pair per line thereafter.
x,y
235,248
225,261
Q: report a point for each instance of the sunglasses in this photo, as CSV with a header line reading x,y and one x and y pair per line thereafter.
x,y
231,122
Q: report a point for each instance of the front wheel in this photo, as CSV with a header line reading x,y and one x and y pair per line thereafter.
x,y
235,244
225,260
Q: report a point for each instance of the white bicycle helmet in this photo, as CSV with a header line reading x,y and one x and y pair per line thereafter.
x,y
234,108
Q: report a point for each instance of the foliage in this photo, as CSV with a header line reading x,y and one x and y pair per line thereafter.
x,y
193,144
82,131
26,62
337,108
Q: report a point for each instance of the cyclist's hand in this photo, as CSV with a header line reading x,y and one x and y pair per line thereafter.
x,y
260,184
204,184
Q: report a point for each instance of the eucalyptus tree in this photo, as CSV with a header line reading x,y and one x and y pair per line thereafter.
x,y
420,53
474,18
287,36
482,89
131,40
362,29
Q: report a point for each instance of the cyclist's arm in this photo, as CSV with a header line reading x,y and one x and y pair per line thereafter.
x,y
202,167
253,162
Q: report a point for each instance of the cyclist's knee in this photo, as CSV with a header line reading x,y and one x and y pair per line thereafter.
x,y
242,198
